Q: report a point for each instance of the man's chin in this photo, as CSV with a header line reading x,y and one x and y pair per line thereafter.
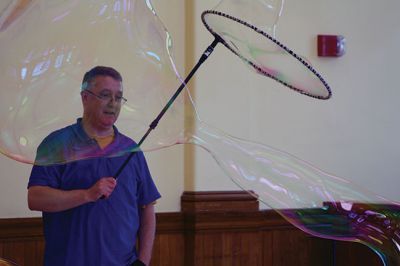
x,y
107,123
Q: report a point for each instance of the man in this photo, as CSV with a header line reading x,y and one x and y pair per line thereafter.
x,y
89,217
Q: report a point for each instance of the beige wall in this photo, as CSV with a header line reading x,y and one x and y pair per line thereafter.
x,y
353,135
167,165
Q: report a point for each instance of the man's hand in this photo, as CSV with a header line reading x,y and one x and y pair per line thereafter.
x,y
102,188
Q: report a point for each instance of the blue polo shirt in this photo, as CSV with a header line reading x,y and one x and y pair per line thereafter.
x,y
99,233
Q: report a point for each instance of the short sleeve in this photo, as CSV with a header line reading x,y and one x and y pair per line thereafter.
x,y
45,175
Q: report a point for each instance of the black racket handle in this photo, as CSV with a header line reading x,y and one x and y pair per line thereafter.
x,y
154,124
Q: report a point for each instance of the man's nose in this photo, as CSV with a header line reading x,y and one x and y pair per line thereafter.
x,y
112,100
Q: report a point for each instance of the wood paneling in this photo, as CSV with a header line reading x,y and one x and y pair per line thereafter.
x,y
169,249
21,240
196,201
293,247
252,238
169,244
203,236
355,254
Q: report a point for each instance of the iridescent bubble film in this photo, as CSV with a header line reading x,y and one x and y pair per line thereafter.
x,y
48,47
248,29
4,262
318,203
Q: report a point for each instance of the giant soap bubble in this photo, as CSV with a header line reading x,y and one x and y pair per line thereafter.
x,y
48,47
316,202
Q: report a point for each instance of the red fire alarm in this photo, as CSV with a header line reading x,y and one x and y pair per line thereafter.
x,y
331,45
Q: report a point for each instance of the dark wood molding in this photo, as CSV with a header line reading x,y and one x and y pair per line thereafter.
x,y
198,196
169,222
211,201
14,228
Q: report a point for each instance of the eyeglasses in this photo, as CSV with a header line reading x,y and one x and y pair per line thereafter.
x,y
107,97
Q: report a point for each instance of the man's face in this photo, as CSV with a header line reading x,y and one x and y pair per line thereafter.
x,y
102,110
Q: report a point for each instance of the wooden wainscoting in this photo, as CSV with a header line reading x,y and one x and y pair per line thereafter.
x,y
21,240
226,228
213,229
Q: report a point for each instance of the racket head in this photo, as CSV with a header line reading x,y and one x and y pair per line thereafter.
x,y
266,55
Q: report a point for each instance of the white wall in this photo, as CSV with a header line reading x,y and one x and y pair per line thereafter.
x,y
354,135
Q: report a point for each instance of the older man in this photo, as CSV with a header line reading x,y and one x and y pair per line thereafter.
x,y
90,218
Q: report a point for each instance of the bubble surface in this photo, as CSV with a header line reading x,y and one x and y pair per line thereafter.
x,y
316,202
4,262
47,49
249,29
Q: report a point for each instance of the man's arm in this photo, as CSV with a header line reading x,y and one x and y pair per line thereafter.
x,y
47,199
147,231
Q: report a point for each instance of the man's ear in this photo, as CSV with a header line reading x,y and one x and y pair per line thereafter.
x,y
84,96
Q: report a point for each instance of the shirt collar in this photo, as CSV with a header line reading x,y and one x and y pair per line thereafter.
x,y
83,136
120,145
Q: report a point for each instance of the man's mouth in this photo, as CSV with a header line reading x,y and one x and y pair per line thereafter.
x,y
109,112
